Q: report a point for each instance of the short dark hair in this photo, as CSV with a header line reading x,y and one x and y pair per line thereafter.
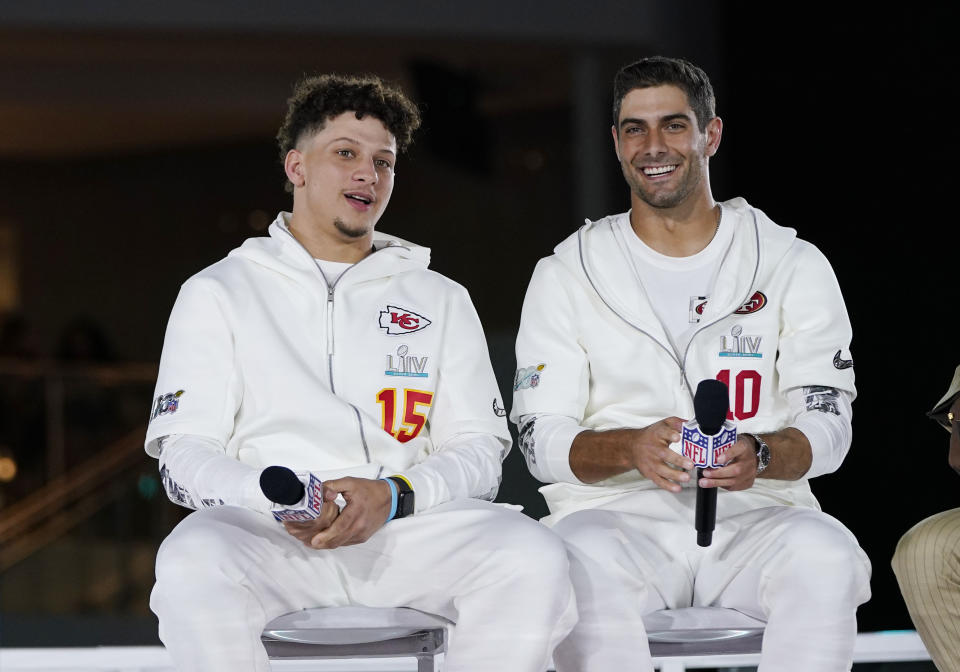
x,y
660,70
318,99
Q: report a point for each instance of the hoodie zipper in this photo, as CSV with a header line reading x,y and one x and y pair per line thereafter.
x,y
682,364
330,347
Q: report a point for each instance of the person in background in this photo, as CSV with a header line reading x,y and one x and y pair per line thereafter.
x,y
927,559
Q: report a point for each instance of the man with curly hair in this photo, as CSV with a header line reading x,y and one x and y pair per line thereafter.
x,y
330,349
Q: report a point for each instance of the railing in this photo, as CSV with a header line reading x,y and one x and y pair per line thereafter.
x,y
63,470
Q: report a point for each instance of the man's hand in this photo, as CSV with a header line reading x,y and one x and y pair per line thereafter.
x,y
652,457
306,531
738,472
596,455
366,511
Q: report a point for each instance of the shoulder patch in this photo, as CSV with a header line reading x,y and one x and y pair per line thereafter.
x,y
528,377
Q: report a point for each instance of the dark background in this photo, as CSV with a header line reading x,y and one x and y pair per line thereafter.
x,y
136,148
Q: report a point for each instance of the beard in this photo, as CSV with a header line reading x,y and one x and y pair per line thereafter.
x,y
348,231
663,199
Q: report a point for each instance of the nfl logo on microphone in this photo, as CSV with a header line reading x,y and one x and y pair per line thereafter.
x,y
707,452
313,503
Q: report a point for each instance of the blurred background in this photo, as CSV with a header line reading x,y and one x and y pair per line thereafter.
x,y
136,147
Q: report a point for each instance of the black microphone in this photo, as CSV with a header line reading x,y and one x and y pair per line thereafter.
x,y
710,404
281,486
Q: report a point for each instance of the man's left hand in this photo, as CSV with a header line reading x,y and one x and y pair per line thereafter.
x,y
738,472
366,511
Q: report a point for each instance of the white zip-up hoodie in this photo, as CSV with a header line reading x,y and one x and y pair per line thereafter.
x,y
775,320
265,358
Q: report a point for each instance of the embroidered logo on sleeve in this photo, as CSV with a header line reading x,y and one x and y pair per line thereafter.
x,y
166,404
498,410
397,320
753,304
528,377
823,399
840,363
526,441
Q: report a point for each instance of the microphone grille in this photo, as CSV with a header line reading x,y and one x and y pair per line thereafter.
x,y
281,485
711,403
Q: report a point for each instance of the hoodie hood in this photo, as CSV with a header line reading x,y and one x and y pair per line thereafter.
x,y
597,249
283,253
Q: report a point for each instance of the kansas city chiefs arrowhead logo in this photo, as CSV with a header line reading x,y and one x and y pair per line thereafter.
x,y
397,320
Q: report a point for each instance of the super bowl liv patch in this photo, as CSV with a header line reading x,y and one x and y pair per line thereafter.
x,y
528,377
406,365
738,345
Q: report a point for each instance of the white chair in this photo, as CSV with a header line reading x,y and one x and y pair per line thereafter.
x,y
364,632
357,632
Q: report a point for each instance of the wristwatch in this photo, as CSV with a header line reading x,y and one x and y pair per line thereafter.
x,y
763,453
405,497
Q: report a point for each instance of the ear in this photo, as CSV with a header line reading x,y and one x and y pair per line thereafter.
x,y
293,167
616,141
714,130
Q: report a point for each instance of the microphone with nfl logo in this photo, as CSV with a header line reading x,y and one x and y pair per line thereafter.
x,y
706,442
282,486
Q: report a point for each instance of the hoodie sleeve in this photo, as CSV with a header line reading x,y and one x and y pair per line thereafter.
x,y
466,421
815,332
198,386
551,385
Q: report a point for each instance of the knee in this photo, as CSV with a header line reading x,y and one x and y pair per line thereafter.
x,y
821,548
588,535
202,548
530,551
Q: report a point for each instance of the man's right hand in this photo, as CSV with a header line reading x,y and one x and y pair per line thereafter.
x,y
306,531
595,455
652,457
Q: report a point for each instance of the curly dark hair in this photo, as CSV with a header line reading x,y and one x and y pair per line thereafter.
x,y
660,70
320,98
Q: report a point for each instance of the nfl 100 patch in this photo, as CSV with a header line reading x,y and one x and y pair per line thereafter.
x,y
527,378
166,404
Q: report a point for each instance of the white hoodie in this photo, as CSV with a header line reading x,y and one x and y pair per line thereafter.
x,y
265,359
775,321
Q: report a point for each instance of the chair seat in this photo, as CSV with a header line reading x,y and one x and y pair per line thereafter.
x,y
700,624
351,625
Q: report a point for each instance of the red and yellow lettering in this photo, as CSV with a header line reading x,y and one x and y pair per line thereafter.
x,y
413,418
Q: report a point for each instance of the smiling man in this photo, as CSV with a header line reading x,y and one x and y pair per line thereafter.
x,y
620,324
331,350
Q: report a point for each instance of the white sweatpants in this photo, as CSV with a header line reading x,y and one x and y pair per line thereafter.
x,y
796,568
224,572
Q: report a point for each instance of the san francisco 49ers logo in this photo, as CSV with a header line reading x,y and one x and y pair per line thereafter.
x,y
753,304
398,321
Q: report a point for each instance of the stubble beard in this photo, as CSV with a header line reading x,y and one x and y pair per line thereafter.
x,y
663,200
348,231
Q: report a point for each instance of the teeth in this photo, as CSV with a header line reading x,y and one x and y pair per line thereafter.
x,y
658,170
362,199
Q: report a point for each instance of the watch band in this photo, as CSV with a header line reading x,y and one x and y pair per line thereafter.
x,y
763,453
405,496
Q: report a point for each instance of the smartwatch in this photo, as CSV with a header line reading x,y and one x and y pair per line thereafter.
x,y
405,497
763,453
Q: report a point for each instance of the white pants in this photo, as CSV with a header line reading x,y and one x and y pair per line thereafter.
x,y
224,572
796,568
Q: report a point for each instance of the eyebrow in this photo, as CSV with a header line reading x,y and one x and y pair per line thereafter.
x,y
666,118
357,142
